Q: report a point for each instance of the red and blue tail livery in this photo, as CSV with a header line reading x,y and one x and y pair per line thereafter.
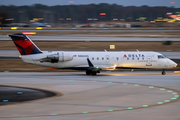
x,y
24,44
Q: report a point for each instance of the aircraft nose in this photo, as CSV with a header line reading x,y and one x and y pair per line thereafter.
x,y
173,64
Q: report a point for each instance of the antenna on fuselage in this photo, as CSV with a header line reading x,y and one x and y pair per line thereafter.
x,y
105,50
137,50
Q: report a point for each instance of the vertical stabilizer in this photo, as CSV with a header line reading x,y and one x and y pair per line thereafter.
x,y
24,44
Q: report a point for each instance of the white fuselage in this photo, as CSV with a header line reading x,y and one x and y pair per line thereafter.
x,y
104,60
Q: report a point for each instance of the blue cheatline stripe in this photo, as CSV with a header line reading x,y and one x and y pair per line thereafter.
x,y
35,50
24,52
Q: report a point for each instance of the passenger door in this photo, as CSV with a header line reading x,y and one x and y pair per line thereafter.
x,y
149,61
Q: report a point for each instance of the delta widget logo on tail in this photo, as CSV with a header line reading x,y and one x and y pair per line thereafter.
x,y
24,44
24,47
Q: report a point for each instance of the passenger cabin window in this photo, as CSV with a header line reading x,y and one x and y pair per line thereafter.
x,y
102,58
160,56
117,58
92,58
97,58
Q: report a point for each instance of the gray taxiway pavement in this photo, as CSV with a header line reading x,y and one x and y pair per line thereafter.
x,y
88,38
133,30
115,95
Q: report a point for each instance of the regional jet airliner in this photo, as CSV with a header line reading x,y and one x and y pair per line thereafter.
x,y
91,62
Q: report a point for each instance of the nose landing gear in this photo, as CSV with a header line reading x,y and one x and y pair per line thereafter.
x,y
163,72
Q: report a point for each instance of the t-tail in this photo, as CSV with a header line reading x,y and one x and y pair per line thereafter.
x,y
24,44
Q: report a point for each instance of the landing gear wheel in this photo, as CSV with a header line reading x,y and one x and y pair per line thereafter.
x,y
88,72
163,72
93,73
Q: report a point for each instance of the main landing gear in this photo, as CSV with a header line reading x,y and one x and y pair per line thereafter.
x,y
89,72
163,72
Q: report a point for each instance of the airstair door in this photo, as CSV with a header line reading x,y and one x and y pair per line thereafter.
x,y
149,61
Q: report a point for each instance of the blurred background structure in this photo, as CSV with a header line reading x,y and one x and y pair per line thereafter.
x,y
89,15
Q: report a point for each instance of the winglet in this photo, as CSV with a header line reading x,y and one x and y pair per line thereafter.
x,y
89,63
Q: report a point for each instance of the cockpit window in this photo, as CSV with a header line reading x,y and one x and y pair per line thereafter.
x,y
161,56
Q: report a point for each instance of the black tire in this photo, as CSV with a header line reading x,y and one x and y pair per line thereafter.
x,y
163,73
94,73
88,72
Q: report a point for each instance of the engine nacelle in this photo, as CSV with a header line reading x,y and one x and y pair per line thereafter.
x,y
54,58
60,56
65,56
